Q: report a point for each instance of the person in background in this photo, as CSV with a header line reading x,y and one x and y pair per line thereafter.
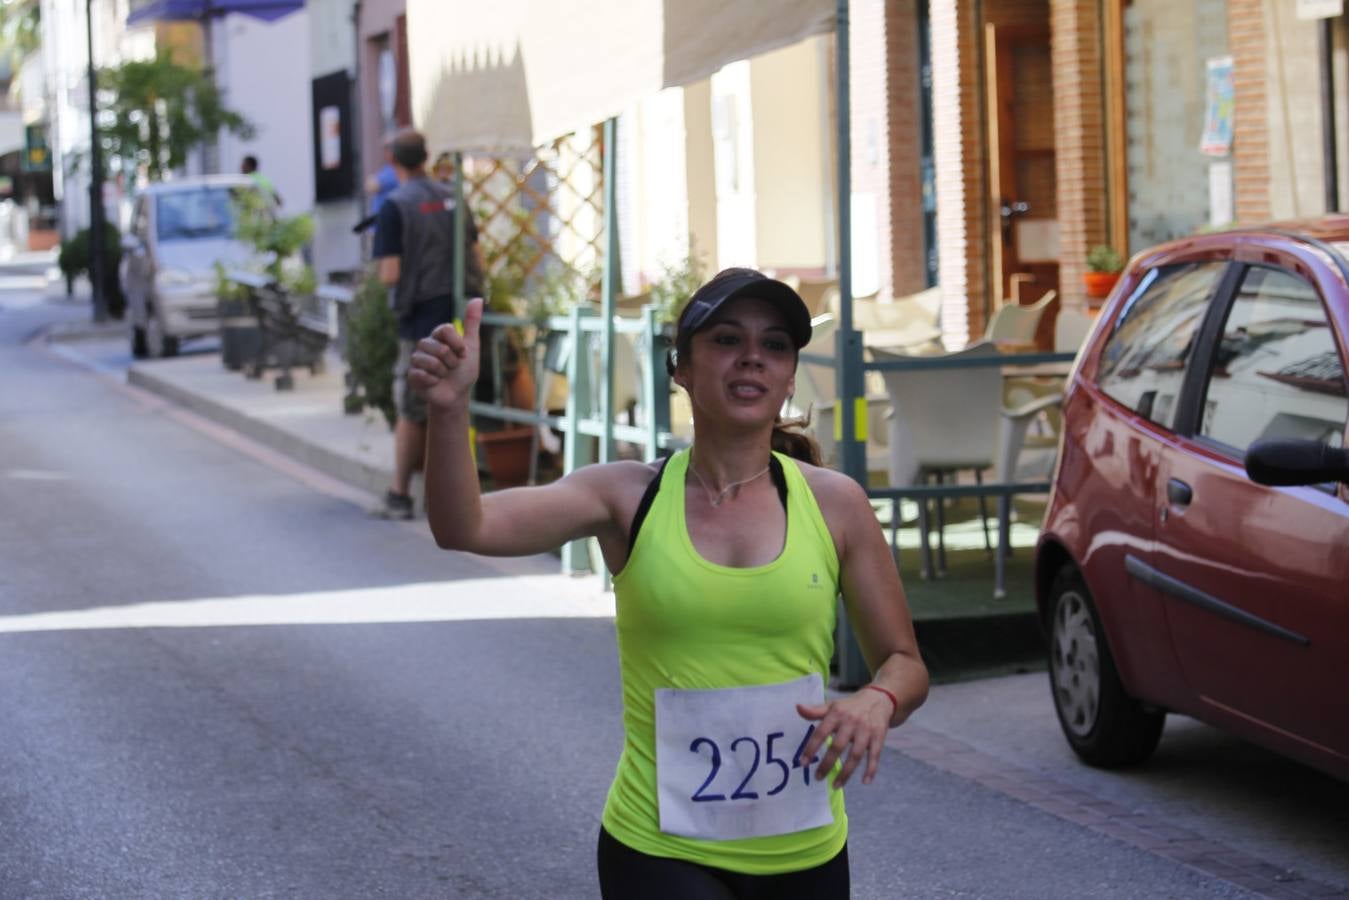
x,y
728,560
381,184
264,184
414,249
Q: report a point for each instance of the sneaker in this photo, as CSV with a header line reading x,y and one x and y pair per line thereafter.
x,y
396,506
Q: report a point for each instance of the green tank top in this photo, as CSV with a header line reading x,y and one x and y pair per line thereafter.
x,y
687,623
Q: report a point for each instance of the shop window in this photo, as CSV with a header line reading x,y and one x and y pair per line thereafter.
x,y
1179,168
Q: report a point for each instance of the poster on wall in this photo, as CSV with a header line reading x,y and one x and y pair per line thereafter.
x,y
1217,137
334,162
330,138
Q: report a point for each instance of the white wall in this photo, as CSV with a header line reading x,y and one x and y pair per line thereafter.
x,y
1293,98
700,173
733,151
771,161
789,163
332,47
263,71
655,195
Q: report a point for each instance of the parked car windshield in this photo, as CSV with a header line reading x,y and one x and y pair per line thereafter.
x,y
193,214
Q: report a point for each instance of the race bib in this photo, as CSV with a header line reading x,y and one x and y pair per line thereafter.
x,y
725,761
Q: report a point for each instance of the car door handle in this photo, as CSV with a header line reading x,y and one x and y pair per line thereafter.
x,y
1178,492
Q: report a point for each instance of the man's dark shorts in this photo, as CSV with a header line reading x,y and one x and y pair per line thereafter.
x,y
411,406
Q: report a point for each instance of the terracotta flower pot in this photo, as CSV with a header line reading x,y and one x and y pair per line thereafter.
x,y
506,454
1099,284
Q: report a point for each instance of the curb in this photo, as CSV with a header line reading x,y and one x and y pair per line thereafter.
x,y
85,331
371,479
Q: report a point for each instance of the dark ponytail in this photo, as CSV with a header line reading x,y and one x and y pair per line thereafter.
x,y
790,436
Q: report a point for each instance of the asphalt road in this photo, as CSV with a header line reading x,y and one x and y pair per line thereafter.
x,y
220,678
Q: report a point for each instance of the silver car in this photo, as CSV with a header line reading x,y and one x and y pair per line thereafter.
x,y
179,230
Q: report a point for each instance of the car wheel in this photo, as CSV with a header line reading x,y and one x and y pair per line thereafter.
x,y
157,343
1103,724
139,349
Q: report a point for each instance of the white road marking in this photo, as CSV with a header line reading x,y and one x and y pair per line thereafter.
x,y
477,599
34,475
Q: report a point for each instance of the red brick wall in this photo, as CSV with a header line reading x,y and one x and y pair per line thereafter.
x,y
908,254
887,136
1079,139
959,139
1250,117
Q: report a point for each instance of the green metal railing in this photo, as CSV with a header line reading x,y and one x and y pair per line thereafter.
x,y
571,345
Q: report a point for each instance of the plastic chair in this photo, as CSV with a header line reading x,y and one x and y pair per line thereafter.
x,y
1016,324
817,393
816,293
945,420
1071,329
911,324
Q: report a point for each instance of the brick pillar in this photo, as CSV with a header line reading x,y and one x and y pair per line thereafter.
x,y
887,136
1250,116
1079,139
962,182
908,254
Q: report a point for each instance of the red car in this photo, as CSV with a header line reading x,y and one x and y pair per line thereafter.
x,y
1195,552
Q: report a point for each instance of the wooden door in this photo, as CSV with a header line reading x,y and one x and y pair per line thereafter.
x,y
1023,198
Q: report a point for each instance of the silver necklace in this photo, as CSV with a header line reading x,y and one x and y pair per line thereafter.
x,y
717,499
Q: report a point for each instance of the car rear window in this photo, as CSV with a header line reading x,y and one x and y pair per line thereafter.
x,y
1144,360
195,214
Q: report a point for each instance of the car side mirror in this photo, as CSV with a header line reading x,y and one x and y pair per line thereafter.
x,y
1290,462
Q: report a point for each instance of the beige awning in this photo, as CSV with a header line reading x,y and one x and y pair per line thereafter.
x,y
518,73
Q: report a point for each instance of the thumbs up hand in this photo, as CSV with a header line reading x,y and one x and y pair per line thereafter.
x,y
445,365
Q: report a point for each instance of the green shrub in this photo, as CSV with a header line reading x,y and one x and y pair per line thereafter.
x,y
372,350
276,239
73,261
676,285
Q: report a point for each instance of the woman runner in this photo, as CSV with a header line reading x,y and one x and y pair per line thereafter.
x,y
727,558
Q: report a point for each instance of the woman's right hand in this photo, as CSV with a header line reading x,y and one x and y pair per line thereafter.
x,y
445,365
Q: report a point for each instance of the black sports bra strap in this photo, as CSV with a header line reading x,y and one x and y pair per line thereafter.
x,y
644,507
779,479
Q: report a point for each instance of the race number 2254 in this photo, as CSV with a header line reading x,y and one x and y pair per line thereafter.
x,y
727,761
750,748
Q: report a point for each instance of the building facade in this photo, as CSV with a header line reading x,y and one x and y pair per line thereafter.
x,y
1059,125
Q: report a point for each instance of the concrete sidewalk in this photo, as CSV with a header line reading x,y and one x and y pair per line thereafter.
x,y
307,423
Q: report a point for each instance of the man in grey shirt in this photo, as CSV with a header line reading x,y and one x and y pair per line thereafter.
x,y
414,245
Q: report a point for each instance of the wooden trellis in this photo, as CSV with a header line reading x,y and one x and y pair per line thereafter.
x,y
540,211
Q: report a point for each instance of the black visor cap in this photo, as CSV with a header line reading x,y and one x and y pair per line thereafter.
x,y
733,283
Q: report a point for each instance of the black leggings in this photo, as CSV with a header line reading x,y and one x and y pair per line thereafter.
x,y
627,874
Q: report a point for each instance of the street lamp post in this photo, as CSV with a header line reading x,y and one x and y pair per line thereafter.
x,y
96,228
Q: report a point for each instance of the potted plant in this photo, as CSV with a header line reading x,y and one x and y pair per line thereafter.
x,y
277,243
507,449
372,351
1104,265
